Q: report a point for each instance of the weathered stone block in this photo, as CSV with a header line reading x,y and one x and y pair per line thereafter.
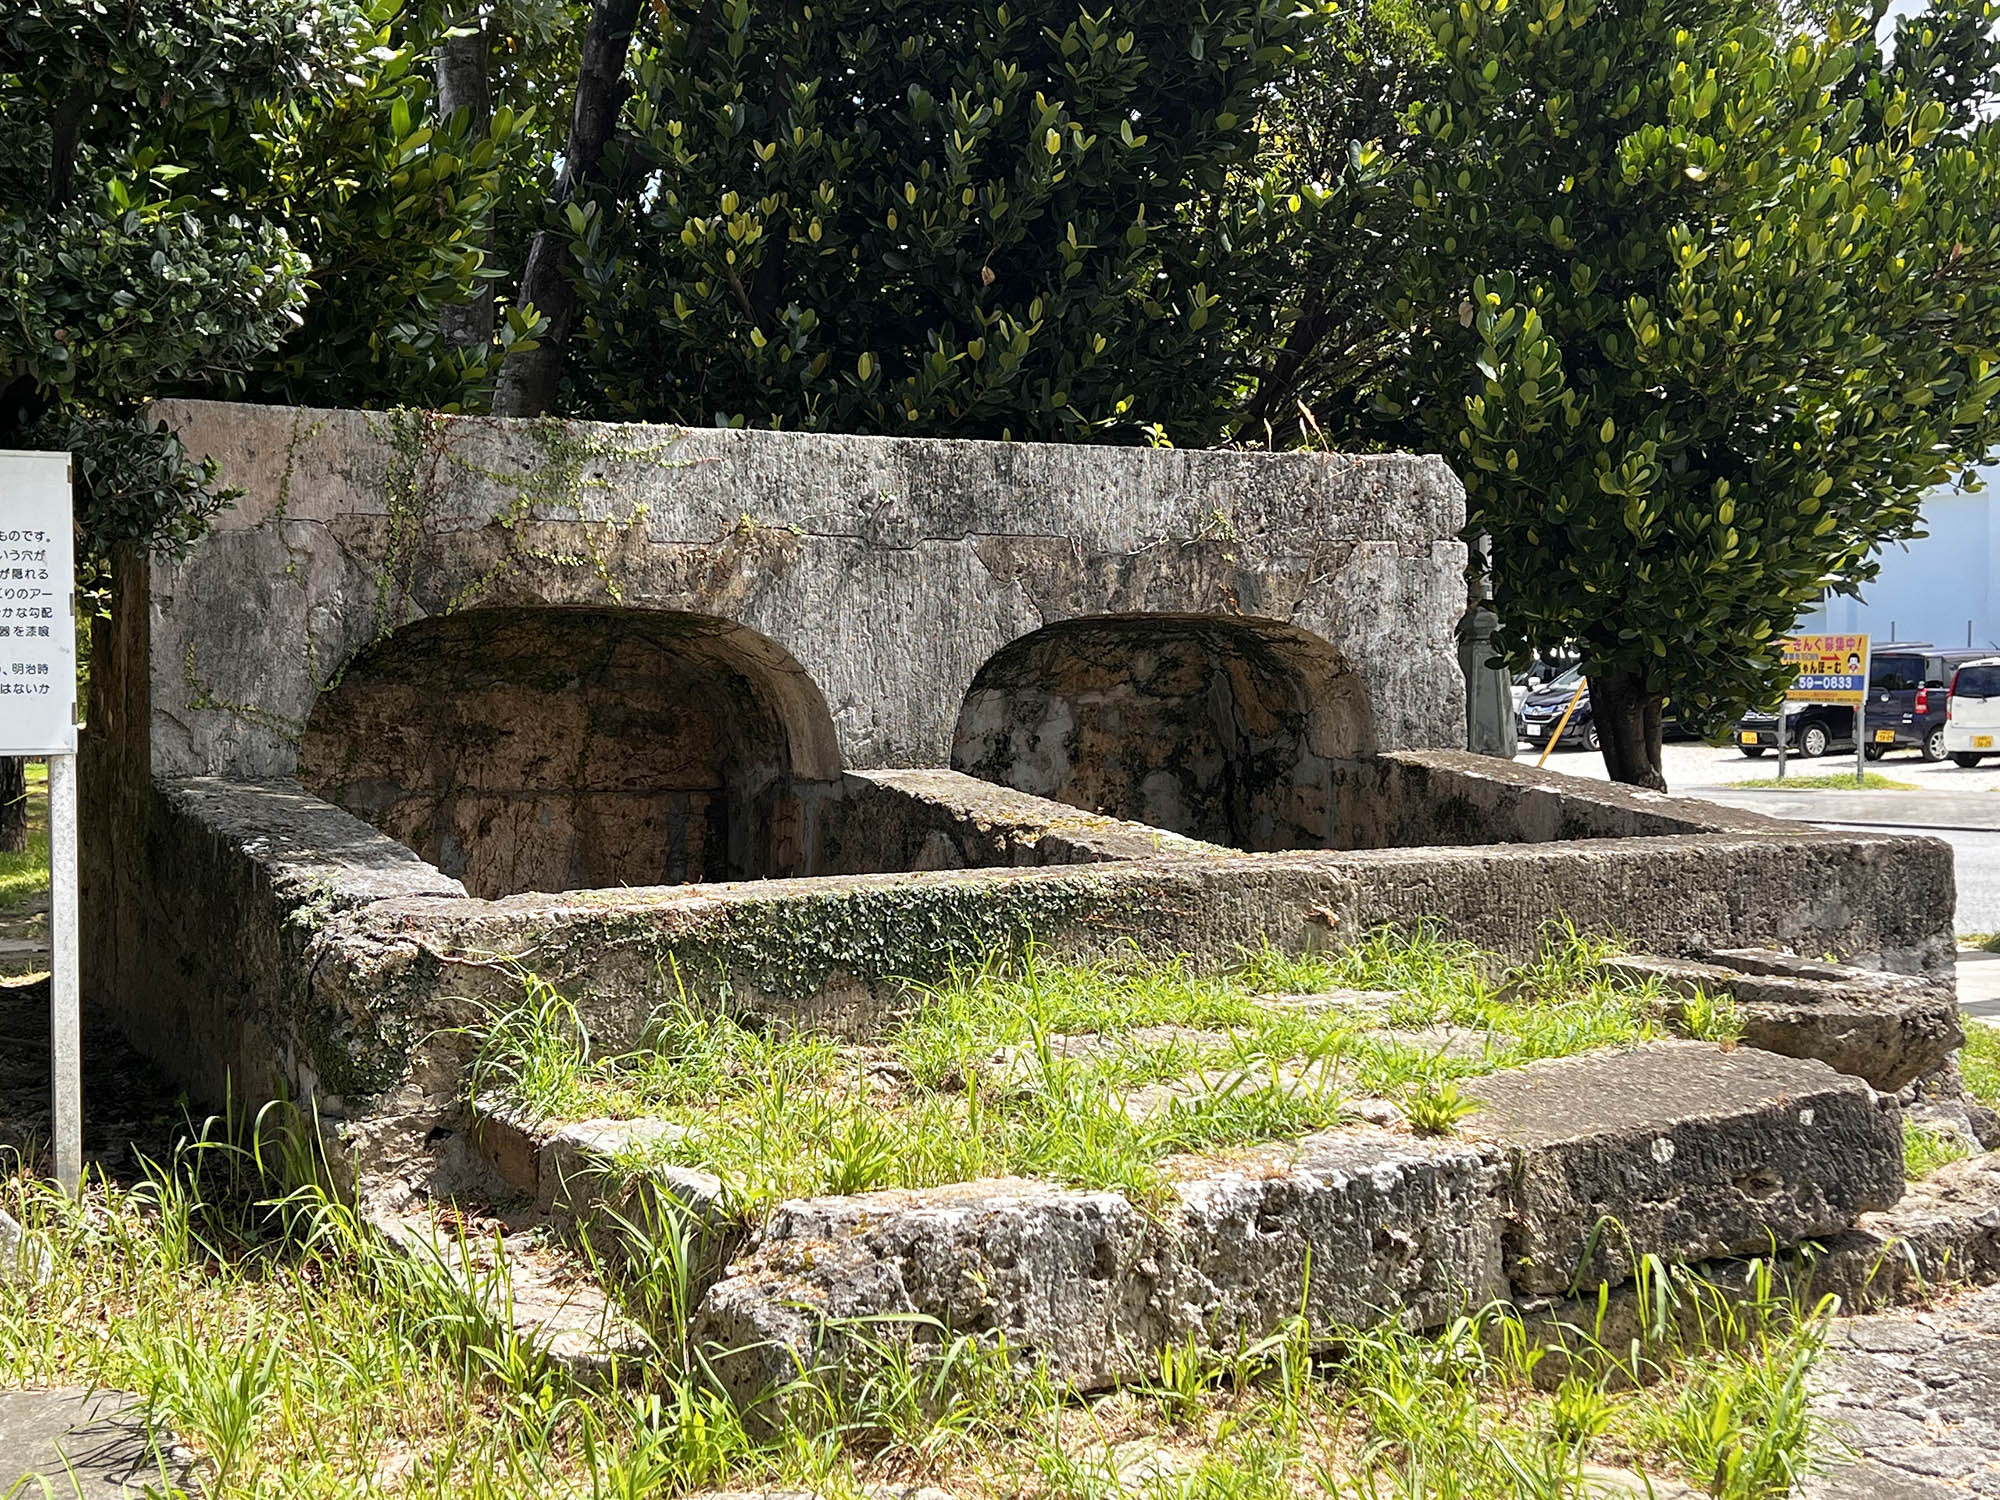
x,y
1682,1150
1353,1228
1350,1227
1887,1028
1060,1274
628,1208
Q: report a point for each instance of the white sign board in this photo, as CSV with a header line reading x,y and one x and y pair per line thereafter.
x,y
37,625
38,717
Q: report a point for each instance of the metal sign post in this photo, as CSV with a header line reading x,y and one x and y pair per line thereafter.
x,y
1861,719
38,718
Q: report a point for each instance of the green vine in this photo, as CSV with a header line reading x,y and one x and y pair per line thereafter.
x,y
281,512
202,699
422,451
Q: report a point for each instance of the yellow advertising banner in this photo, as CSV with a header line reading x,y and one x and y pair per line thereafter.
x,y
1832,668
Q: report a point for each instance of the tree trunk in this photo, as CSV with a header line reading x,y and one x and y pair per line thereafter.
x,y
13,804
1628,728
65,131
462,84
528,381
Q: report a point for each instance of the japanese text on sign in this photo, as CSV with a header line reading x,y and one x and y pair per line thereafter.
x,y
1831,668
37,630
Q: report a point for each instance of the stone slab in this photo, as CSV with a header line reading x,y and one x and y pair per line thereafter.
x,y
73,1444
948,820
604,1183
1890,1029
549,1295
1944,1234
596,1175
1683,1150
1353,1228
1914,1397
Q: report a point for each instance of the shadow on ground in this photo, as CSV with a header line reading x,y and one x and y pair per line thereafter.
x,y
129,1110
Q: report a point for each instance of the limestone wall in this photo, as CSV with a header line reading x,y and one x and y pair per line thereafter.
x,y
886,572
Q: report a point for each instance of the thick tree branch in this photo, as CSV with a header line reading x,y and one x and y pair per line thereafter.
x,y
65,132
528,381
463,87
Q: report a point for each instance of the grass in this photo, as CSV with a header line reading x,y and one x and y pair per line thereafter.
x,y
298,1357
1979,1061
1924,1151
1093,1075
1870,782
1985,942
24,877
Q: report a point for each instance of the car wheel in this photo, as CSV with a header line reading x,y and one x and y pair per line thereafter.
x,y
1590,739
1934,744
1813,740
1753,751
1966,759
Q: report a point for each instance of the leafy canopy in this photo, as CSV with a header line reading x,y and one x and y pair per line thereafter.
x,y
168,174
886,216
1700,308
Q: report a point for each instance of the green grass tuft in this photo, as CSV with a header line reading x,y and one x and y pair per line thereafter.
x,y
24,877
1979,1061
1873,781
1924,1151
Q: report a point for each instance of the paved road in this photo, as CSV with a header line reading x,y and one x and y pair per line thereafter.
x,y
1915,1397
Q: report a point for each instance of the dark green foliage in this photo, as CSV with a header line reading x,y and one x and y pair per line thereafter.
x,y
972,220
1700,308
169,174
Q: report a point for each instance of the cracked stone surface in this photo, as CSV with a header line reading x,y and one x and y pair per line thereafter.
x,y
75,1444
887,571
1916,1396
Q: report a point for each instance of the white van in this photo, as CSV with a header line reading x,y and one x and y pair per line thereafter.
x,y
1972,713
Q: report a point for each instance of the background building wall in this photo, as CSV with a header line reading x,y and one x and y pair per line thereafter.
x,y
1936,587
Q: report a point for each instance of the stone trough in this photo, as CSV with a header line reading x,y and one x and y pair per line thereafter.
x,y
778,724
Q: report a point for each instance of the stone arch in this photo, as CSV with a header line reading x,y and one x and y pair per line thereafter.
x,y
545,749
1222,728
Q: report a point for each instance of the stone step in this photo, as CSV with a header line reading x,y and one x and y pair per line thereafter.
x,y
554,1304
1573,1168
1093,1284
603,1182
1682,1150
1943,1237
1890,1029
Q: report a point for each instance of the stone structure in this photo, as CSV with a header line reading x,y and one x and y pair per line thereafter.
x,y
601,638
440,694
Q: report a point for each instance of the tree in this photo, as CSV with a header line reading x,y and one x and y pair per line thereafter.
x,y
1325,224
883,216
529,379
1700,309
404,187
163,170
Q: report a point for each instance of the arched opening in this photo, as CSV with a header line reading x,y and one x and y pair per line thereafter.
x,y
562,749
1229,730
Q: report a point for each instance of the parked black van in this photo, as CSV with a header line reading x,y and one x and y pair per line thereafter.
x,y
1907,687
